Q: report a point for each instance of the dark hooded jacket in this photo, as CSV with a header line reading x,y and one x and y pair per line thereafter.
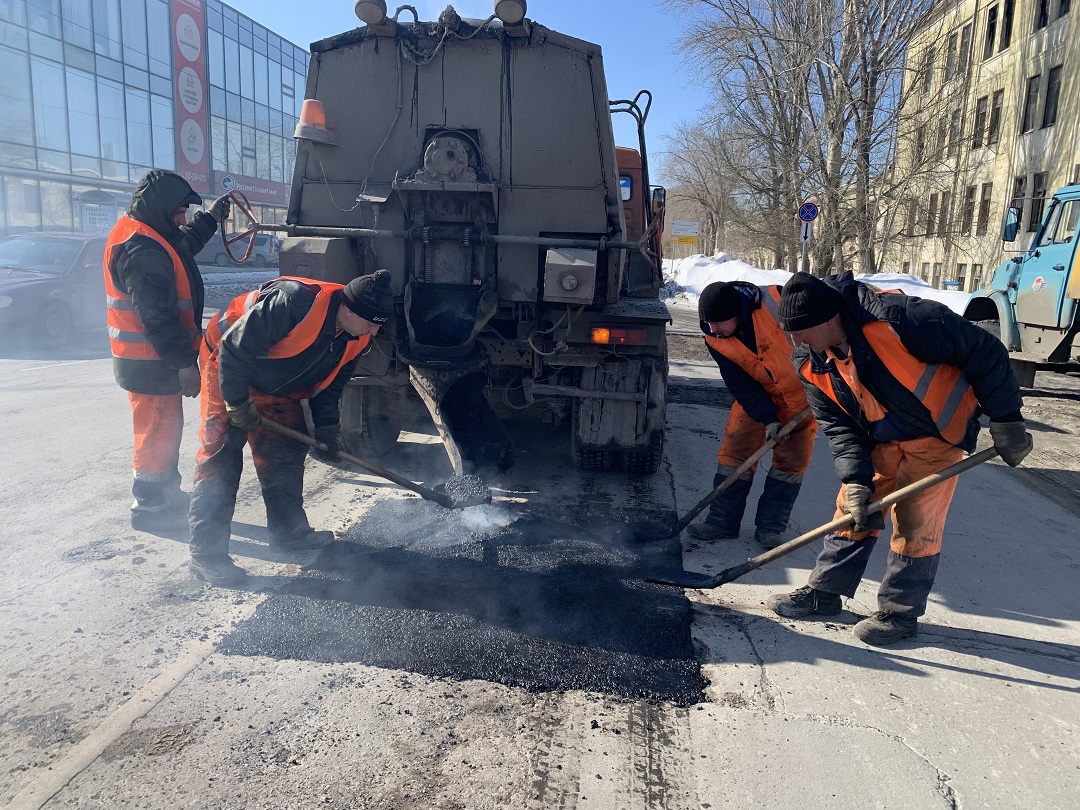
x,y
931,332
747,391
141,268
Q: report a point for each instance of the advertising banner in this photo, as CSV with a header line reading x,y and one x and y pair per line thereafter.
x,y
189,78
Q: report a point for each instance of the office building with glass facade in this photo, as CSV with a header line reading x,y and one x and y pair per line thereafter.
x,y
93,93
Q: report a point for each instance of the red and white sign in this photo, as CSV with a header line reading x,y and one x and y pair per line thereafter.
x,y
254,188
189,79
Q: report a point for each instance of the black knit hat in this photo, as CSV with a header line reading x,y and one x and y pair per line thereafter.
x,y
370,297
718,302
806,302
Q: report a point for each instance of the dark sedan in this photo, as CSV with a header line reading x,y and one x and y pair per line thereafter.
x,y
51,285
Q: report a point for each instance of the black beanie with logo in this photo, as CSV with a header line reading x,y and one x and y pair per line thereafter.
x,y
370,297
805,302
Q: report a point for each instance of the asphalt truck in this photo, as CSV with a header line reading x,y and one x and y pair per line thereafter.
x,y
1031,300
475,160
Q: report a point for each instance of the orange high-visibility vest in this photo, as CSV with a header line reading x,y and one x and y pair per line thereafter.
x,y
127,335
300,337
771,365
942,388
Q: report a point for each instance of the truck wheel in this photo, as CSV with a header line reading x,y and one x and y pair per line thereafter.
x,y
371,418
221,260
647,461
587,457
53,326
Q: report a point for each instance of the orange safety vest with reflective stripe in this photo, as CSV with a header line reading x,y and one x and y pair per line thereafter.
x,y
127,335
300,337
771,365
941,388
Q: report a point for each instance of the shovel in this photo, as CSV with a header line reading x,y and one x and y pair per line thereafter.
x,y
731,479
466,491
707,581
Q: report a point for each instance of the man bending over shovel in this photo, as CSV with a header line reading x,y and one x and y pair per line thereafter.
x,y
290,340
739,322
897,383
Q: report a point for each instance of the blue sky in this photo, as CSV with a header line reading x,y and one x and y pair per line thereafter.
x,y
638,38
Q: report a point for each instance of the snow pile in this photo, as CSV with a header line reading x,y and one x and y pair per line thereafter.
x,y
686,278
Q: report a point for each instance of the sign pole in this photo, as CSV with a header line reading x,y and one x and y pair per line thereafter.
x,y
808,212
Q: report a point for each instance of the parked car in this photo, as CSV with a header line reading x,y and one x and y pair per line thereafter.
x,y
51,285
264,254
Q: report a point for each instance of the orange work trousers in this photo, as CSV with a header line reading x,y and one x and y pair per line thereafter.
x,y
744,436
919,520
158,423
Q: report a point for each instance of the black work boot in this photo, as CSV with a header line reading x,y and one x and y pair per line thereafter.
x,y
707,530
158,519
885,628
769,539
217,569
805,602
303,539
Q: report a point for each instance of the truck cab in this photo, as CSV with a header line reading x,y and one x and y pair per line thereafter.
x,y
1031,300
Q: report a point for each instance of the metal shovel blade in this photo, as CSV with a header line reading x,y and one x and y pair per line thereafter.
x,y
465,490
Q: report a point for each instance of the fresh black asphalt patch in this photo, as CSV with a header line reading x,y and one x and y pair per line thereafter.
x,y
542,604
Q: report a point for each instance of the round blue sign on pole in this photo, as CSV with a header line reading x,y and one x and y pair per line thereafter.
x,y
808,212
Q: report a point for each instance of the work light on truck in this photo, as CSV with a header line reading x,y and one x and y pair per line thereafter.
x,y
371,12
511,12
625,337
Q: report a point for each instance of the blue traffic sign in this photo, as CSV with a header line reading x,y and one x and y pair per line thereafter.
x,y
808,212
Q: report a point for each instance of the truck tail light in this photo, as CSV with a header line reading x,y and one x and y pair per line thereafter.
x,y
626,337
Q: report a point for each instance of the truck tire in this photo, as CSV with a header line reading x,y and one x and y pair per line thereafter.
x,y
588,457
371,418
647,461
1024,370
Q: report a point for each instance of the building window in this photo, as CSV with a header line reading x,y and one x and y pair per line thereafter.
x,y
961,275
1042,14
983,224
906,269
928,70
1063,8
965,48
1038,200
954,133
931,215
912,216
951,55
935,280
943,214
1019,198
968,217
993,132
920,143
1007,23
982,106
925,271
991,31
976,276
942,138
1053,89
1031,104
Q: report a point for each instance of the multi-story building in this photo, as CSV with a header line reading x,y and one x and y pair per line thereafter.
x,y
93,93
991,114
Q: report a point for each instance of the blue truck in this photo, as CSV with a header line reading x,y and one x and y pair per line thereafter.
x,y
1031,300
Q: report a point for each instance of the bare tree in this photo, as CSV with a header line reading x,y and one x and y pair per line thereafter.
x,y
816,86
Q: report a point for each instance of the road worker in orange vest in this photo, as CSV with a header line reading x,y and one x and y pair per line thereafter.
x,y
754,357
155,301
291,340
897,383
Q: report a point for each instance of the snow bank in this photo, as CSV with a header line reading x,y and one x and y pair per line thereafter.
x,y
686,278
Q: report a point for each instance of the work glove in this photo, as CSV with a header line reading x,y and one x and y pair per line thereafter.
x,y
245,415
856,500
1011,440
772,433
330,435
220,208
190,381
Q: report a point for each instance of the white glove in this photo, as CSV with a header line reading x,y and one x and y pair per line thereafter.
x,y
772,433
